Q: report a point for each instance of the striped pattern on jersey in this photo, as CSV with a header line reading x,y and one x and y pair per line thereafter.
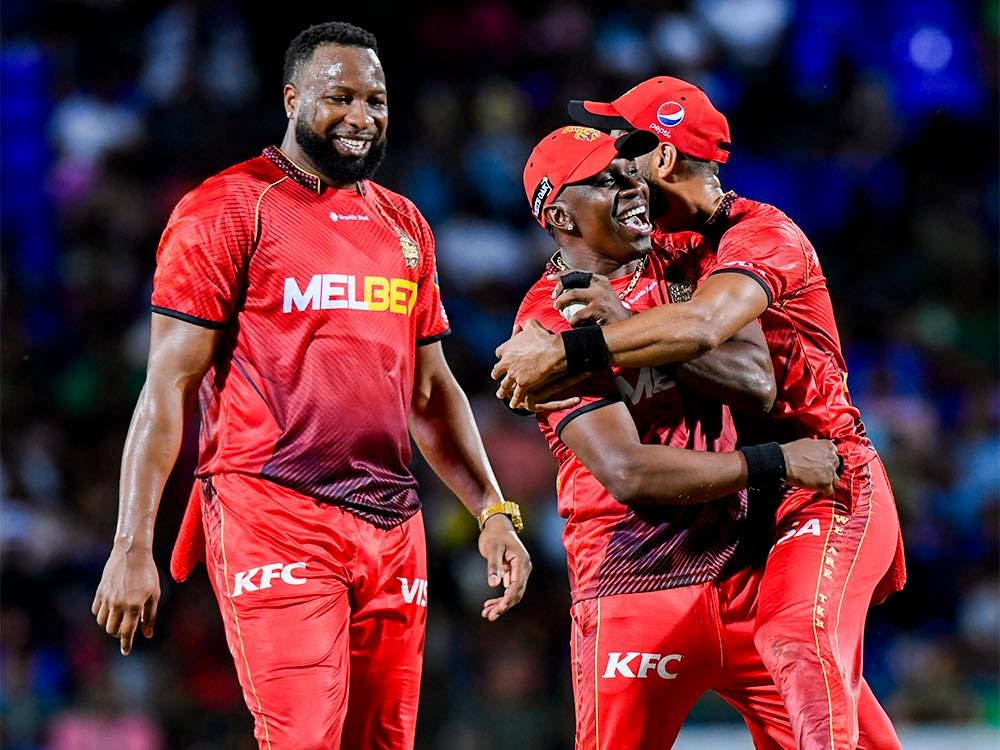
x,y
322,296
612,548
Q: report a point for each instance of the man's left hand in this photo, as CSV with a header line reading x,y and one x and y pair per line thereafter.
x,y
508,562
528,360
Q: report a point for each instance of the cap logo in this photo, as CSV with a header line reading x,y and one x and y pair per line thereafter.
x,y
582,134
670,114
541,193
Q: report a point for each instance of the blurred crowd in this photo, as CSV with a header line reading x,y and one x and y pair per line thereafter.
x,y
874,125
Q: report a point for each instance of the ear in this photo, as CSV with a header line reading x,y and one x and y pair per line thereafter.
x,y
557,217
290,94
663,162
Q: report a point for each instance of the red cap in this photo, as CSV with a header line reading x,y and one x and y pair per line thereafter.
x,y
572,154
678,112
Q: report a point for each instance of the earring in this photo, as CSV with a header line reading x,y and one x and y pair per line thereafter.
x,y
289,113
570,227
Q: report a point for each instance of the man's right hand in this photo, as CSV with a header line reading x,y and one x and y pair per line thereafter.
x,y
127,596
812,464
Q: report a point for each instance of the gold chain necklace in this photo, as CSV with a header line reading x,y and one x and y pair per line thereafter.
x,y
559,263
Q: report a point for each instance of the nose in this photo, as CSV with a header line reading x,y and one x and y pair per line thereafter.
x,y
358,115
635,185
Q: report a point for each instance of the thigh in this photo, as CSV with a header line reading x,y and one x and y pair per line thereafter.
x,y
387,638
814,597
744,681
286,612
640,662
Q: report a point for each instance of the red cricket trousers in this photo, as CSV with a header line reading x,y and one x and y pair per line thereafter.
x,y
822,575
324,615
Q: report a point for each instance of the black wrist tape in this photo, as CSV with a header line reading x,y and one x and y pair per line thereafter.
x,y
765,465
577,280
585,350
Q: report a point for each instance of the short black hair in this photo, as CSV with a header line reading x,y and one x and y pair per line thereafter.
x,y
332,32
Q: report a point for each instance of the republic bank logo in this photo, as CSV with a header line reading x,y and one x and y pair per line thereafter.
x,y
334,216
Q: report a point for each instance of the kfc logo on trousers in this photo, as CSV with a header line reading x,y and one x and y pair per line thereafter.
x,y
621,665
268,574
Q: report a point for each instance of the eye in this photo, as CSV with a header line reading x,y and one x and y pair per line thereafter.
x,y
377,103
338,99
607,181
633,171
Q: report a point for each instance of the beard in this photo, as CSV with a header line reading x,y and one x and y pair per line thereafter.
x,y
341,170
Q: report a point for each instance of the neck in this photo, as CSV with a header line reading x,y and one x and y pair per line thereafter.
x,y
580,257
690,206
290,147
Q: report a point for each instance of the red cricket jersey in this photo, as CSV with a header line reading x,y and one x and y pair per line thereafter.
x,y
322,295
613,548
758,240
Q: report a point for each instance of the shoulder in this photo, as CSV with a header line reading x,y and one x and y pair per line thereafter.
x,y
755,222
537,305
401,208
237,188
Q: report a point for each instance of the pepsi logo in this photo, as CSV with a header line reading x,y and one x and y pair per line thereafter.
x,y
670,114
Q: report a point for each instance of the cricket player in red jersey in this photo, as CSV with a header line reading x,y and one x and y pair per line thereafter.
x,y
832,557
649,482
301,297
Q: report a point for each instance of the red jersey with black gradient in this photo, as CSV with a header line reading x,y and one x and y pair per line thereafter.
x,y
756,239
322,295
613,548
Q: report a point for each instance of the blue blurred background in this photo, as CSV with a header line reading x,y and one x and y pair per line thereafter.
x,y
873,124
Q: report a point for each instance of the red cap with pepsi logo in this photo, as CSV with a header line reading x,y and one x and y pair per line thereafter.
x,y
675,111
572,154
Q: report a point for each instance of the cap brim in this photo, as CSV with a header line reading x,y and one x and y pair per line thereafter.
x,y
636,143
627,146
598,115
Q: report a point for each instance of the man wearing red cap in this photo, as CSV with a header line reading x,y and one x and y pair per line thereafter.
x,y
649,482
832,557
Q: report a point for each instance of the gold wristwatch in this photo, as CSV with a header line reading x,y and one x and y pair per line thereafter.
x,y
510,509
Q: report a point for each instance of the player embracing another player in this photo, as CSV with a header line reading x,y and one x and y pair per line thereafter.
x,y
649,480
832,556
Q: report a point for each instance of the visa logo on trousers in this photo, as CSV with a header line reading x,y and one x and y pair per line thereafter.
x,y
414,591
244,580
621,665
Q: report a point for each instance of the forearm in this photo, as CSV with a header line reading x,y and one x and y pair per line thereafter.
x,y
736,373
661,335
151,449
662,475
444,430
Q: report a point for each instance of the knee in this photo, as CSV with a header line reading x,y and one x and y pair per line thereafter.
x,y
781,647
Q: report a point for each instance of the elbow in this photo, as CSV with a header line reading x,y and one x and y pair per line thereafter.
x,y
622,484
762,391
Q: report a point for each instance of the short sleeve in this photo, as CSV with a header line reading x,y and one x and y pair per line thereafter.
x,y
202,257
431,318
772,253
595,392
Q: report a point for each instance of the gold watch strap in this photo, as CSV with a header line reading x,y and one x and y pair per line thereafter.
x,y
508,508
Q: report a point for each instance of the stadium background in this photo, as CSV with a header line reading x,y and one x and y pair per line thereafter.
x,y
874,125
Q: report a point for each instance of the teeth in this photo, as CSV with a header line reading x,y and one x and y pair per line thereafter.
x,y
637,211
353,143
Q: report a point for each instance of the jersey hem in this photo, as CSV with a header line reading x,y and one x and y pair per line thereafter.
x,y
435,338
580,412
752,275
195,320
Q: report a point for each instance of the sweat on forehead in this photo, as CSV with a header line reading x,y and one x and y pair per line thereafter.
x,y
335,33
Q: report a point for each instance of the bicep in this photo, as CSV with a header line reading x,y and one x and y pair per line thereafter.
x,y
180,352
603,439
730,301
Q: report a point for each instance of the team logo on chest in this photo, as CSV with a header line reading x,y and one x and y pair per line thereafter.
x,y
681,291
411,253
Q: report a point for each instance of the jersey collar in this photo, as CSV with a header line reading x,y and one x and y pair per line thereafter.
x,y
717,222
311,182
